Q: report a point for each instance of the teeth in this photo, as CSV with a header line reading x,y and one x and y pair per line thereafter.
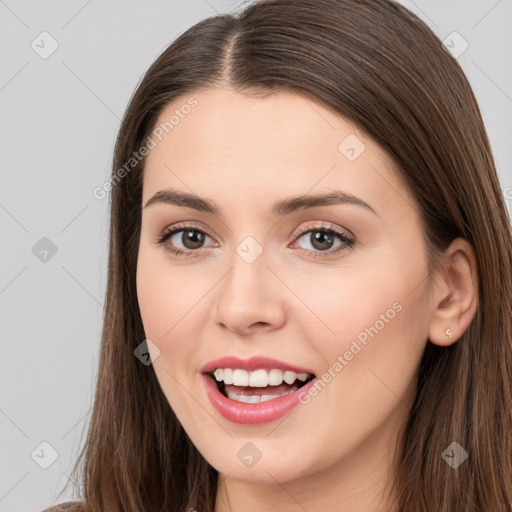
x,y
275,377
227,376
289,377
254,399
257,378
248,399
240,378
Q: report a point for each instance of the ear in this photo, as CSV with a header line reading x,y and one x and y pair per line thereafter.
x,y
455,297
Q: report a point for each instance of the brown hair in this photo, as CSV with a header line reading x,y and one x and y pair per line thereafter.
x,y
383,69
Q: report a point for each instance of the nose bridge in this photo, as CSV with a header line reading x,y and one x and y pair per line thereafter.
x,y
248,277
248,295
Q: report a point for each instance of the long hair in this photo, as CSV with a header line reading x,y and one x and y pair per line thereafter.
x,y
383,69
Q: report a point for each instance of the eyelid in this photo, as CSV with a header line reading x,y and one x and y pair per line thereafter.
x,y
300,231
324,225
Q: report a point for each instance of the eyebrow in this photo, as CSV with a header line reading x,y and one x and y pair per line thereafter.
x,y
279,208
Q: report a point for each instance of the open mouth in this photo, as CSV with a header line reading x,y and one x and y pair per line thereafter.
x,y
261,392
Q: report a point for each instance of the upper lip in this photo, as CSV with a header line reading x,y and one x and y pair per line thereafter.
x,y
253,363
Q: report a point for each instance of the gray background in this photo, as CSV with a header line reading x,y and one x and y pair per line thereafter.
x,y
58,121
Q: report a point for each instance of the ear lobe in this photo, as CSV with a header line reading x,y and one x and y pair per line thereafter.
x,y
455,298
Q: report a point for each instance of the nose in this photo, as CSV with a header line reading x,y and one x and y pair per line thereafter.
x,y
250,298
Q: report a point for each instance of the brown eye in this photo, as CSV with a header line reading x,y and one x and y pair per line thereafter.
x,y
183,240
191,238
324,240
321,240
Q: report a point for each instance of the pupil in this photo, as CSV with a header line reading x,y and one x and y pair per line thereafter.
x,y
321,237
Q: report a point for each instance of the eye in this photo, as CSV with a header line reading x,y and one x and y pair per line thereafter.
x,y
189,236
192,239
322,239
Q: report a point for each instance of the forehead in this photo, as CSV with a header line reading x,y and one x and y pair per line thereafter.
x,y
225,122
282,143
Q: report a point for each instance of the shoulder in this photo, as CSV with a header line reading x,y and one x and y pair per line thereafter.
x,y
69,506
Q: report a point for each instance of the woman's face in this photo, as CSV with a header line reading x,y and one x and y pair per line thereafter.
x,y
270,281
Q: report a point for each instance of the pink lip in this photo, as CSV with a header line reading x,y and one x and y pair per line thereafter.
x,y
250,414
253,363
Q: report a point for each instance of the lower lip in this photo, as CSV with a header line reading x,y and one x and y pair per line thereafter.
x,y
250,414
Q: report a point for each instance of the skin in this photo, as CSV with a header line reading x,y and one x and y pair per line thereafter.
x,y
245,153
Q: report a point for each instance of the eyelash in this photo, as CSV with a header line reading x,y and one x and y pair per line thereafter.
x,y
347,241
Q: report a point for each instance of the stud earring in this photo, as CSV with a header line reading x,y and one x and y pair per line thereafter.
x,y
448,333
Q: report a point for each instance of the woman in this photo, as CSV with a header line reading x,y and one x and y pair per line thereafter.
x,y
310,245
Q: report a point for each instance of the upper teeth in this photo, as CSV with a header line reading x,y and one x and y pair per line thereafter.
x,y
257,378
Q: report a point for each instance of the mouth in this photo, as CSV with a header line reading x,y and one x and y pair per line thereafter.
x,y
257,386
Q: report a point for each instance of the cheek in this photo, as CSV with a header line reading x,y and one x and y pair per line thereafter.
x,y
166,302
165,295
371,359
154,302
338,305
363,319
